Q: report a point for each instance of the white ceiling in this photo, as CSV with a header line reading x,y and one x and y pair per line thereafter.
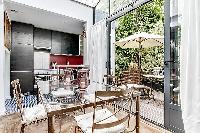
x,y
91,3
43,19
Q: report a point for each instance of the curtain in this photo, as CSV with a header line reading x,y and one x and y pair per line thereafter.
x,y
190,66
97,52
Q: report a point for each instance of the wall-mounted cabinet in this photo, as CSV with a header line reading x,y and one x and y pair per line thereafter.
x,y
64,43
22,33
42,37
74,45
56,42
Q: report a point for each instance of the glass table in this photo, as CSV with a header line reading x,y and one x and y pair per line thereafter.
x,y
84,103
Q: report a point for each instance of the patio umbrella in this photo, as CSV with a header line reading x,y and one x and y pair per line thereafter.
x,y
141,40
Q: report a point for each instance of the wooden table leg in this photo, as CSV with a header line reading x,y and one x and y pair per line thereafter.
x,y
137,114
23,128
50,125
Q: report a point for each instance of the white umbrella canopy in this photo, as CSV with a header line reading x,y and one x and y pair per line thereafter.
x,y
141,40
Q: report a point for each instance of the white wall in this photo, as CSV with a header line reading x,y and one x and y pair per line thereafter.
x,y
7,74
2,60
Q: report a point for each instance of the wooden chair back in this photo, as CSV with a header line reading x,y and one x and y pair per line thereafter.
x,y
112,79
135,76
110,124
57,77
17,94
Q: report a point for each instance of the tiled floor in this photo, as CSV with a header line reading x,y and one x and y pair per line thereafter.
x,y
146,127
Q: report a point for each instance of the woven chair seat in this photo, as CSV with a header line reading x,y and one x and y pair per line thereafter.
x,y
85,122
61,92
37,112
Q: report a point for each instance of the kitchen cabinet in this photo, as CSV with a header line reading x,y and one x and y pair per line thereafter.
x,y
42,37
65,43
56,42
41,60
65,46
26,81
74,44
21,59
22,33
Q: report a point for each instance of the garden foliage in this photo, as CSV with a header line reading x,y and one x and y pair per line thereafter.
x,y
147,18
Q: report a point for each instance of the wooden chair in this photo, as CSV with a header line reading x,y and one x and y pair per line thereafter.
x,y
104,120
132,79
135,76
83,80
17,94
56,80
124,77
68,76
40,108
111,78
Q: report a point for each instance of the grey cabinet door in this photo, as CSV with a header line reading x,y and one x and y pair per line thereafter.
x,y
74,44
22,57
26,81
65,46
70,44
22,33
56,42
22,47
42,37
64,43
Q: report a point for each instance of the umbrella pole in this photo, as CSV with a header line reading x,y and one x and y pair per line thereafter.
x,y
139,60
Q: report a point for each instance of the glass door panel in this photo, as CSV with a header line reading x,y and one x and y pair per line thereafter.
x,y
173,116
175,39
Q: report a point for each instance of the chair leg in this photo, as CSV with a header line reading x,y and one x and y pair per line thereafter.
x,y
76,128
22,128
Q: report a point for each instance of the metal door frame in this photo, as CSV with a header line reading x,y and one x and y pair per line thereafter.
x,y
172,112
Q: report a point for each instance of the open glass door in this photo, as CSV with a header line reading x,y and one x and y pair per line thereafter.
x,y
173,116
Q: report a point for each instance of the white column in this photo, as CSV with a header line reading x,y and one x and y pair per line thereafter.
x,y
2,60
7,74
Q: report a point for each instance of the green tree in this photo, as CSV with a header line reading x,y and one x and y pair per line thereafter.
x,y
147,18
